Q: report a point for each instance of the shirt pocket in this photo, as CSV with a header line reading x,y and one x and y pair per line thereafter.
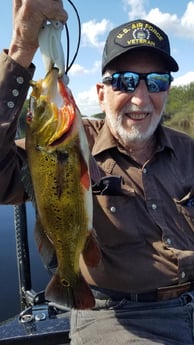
x,y
116,220
185,208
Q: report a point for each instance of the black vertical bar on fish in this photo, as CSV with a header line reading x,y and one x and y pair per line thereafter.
x,y
22,252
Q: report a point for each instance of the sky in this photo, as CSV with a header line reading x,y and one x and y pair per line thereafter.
x,y
97,19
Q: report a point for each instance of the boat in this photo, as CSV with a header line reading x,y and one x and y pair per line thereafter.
x,y
39,321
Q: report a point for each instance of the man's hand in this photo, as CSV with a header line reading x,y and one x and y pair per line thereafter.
x,y
28,16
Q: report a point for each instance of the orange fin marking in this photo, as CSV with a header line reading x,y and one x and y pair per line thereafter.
x,y
67,112
85,177
78,296
67,115
91,252
67,94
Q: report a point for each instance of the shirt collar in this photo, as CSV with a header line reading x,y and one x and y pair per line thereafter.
x,y
106,141
164,139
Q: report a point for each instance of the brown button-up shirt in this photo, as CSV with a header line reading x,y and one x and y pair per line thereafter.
x,y
146,231
143,215
14,85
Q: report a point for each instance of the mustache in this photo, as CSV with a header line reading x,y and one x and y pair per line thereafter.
x,y
133,109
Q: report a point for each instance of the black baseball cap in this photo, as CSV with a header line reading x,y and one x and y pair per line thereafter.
x,y
137,34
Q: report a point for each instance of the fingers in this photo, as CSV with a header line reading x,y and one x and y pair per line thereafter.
x,y
50,9
28,16
53,9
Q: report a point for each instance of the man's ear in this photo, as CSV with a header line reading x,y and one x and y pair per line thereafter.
x,y
100,94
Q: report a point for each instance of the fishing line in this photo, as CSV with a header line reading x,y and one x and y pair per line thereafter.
x,y
69,65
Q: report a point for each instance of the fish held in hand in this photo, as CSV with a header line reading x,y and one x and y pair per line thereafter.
x,y
58,160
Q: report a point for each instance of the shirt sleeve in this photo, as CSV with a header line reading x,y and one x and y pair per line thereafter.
x,y
14,84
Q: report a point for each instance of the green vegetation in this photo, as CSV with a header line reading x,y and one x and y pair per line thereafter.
x,y
179,112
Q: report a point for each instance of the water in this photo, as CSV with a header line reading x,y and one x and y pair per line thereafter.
x,y
9,291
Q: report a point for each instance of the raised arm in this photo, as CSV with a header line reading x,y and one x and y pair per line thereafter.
x,y
15,73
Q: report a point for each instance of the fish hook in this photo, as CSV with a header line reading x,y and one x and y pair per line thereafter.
x,y
51,47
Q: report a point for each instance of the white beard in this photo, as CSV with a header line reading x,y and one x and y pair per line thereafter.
x,y
132,134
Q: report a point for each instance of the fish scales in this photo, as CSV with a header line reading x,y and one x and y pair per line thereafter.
x,y
68,210
58,158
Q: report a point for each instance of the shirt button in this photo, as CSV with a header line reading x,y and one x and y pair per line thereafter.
x,y
10,104
154,206
183,274
15,92
168,241
144,171
112,209
20,80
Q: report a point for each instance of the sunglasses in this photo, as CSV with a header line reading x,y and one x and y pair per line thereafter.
x,y
129,81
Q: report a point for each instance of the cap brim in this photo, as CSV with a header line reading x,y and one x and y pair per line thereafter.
x,y
169,60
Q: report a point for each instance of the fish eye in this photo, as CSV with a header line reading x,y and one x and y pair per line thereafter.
x,y
29,116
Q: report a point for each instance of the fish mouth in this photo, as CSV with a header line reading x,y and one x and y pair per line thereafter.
x,y
49,84
65,119
63,108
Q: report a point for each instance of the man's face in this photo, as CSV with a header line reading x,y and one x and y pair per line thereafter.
x,y
133,116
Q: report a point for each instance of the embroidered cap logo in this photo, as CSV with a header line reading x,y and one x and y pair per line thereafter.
x,y
138,34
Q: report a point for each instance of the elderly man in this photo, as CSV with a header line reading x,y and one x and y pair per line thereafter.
x,y
144,204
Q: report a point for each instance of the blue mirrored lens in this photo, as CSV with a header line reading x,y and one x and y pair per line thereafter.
x,y
128,81
157,82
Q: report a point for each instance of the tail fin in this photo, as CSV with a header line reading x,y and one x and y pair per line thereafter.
x,y
78,296
83,297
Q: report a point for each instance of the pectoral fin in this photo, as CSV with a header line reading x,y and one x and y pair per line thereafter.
x,y
85,177
45,247
91,252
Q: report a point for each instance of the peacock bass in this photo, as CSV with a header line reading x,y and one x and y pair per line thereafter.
x,y
58,159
